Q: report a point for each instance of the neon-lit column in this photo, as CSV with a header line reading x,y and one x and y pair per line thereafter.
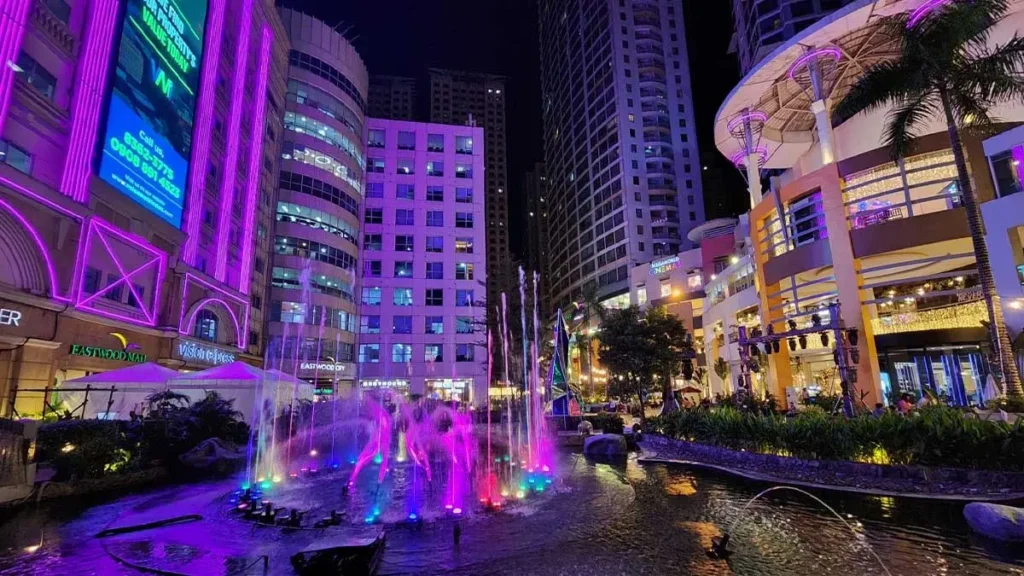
x,y
252,183
203,126
753,164
822,119
13,15
229,170
85,109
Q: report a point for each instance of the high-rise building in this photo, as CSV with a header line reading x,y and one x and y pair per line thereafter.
x,y
392,97
133,196
422,306
320,192
762,25
538,251
479,100
619,141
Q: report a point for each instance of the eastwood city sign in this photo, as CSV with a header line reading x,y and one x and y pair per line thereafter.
x,y
322,366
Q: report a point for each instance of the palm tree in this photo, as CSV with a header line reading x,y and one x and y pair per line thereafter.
x,y
945,66
592,308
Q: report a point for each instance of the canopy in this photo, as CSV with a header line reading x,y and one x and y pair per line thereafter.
x,y
247,385
130,386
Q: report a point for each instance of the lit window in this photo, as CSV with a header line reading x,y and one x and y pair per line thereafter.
x,y
402,297
369,353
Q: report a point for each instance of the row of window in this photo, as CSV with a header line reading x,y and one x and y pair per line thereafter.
x,y
302,248
314,315
317,66
312,157
295,182
302,93
408,192
309,349
406,243
325,133
407,141
325,221
403,297
432,270
292,279
408,166
407,217
402,353
370,324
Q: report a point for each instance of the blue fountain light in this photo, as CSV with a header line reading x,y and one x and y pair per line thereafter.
x,y
413,516
378,458
265,484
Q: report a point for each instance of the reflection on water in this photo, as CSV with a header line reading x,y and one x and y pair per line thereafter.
x,y
606,518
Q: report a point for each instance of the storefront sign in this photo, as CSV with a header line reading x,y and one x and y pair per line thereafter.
x,y
194,351
10,317
108,353
662,266
324,389
385,384
448,384
322,366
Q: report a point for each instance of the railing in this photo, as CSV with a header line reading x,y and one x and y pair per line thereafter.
x,y
894,191
659,78
661,183
657,123
651,136
654,107
804,224
663,201
652,153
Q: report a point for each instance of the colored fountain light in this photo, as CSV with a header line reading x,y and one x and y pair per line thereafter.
x,y
312,452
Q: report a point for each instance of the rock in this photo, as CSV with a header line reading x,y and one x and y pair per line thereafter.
x,y
213,454
996,521
585,428
605,445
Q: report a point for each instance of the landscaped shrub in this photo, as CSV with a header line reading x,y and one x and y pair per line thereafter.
x,y
83,448
607,423
932,436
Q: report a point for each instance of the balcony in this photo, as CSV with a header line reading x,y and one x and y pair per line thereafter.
x,y
657,136
657,123
653,93
647,20
657,107
920,185
662,184
652,153
651,70
665,235
648,36
669,200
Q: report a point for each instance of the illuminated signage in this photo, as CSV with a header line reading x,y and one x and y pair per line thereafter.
x,y
322,366
148,138
194,351
325,389
10,317
662,266
384,383
448,384
108,353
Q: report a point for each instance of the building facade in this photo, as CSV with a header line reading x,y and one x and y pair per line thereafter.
x,y
424,269
538,250
312,307
392,97
117,155
479,99
888,242
619,141
760,26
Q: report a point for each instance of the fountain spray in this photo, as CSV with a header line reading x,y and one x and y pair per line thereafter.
x,y
504,365
526,369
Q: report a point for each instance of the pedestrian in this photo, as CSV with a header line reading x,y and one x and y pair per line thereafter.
x,y
904,405
879,410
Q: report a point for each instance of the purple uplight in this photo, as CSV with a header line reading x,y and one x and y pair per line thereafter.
x,y
85,110
740,158
242,302
825,52
204,122
230,168
752,116
13,16
255,151
924,10
50,269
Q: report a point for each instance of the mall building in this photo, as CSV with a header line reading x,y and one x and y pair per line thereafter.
x,y
844,224
137,161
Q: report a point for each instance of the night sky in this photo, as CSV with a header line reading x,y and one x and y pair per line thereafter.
x,y
405,37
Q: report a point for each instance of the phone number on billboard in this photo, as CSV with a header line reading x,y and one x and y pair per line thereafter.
x,y
139,155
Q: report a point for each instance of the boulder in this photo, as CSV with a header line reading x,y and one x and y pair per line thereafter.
x,y
585,428
996,521
214,454
605,445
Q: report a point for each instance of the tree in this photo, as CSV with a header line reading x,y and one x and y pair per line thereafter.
x,y
592,309
945,66
673,348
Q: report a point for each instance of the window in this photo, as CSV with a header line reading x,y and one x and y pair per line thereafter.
x,y
369,324
406,140
463,271
401,325
402,297
463,170
15,157
464,195
206,326
463,144
313,64
310,217
463,219
37,76
371,296
435,244
435,168
369,353
373,242
435,218
463,297
666,289
432,353
641,296
371,268
374,189
464,352
375,139
435,297
463,325
435,194
405,166
60,9
435,142
464,245
403,269
289,246
405,192
434,325
435,270
91,282
401,352
114,288
404,217
375,165
403,244
373,216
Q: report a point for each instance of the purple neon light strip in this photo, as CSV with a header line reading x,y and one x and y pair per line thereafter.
x,y
924,10
189,278
13,16
85,114
252,188
230,168
41,199
753,116
50,269
825,52
127,276
740,158
202,304
203,126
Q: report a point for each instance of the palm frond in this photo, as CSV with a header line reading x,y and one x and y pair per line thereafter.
x,y
885,83
972,112
903,121
947,30
993,74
